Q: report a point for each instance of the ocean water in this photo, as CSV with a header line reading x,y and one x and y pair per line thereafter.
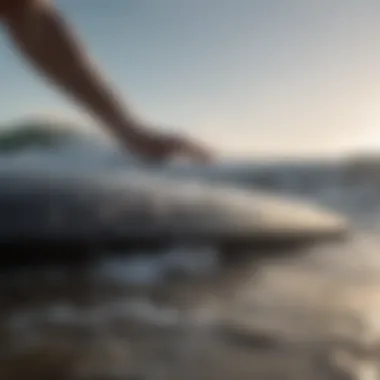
x,y
327,295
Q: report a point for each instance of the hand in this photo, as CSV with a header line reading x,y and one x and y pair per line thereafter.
x,y
159,147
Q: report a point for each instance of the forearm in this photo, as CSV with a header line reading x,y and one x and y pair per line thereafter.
x,y
43,37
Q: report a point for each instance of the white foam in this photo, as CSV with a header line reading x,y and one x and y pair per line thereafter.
x,y
145,269
28,327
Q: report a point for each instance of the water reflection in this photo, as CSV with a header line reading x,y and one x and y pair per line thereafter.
x,y
295,312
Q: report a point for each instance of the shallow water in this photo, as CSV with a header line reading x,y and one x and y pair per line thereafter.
x,y
311,314
322,302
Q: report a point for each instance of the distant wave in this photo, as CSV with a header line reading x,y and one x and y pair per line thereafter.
x,y
57,145
33,135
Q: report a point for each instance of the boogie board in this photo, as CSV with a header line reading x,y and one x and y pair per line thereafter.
x,y
41,207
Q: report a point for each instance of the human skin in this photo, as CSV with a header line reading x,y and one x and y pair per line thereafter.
x,y
44,37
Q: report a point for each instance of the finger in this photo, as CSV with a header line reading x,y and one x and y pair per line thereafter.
x,y
200,153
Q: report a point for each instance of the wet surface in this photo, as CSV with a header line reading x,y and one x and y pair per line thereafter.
x,y
313,316
310,314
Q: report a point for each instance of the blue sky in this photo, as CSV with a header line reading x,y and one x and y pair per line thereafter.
x,y
249,77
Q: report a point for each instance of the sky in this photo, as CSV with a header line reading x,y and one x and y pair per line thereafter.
x,y
247,77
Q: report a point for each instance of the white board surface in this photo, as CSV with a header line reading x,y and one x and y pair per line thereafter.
x,y
125,205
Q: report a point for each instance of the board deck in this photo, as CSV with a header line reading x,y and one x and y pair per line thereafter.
x,y
106,207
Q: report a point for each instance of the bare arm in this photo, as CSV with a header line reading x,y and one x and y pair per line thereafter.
x,y
47,41
49,44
